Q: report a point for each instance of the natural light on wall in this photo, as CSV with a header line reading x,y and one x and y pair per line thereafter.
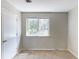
x,y
37,27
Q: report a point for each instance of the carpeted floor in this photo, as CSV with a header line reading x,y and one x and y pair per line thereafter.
x,y
44,55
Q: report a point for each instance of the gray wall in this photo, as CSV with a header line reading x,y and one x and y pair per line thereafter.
x,y
73,31
58,31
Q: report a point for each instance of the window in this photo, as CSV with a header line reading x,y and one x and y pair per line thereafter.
x,y
37,27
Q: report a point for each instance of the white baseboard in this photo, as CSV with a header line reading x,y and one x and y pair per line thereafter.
x,y
15,55
46,49
72,53
42,49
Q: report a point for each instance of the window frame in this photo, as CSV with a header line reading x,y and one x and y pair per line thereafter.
x,y
39,23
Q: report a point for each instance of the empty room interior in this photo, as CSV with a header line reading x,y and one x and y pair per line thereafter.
x,y
39,29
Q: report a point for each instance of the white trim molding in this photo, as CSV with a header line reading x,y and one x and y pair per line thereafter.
x,y
72,53
43,49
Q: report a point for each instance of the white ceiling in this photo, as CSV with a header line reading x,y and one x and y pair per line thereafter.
x,y
44,5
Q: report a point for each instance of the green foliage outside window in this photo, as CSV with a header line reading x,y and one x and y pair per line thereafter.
x,y
33,27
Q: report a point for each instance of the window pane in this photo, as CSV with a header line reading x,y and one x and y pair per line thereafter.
x,y
43,27
37,27
32,26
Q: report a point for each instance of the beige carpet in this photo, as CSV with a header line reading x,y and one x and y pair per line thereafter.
x,y
44,55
